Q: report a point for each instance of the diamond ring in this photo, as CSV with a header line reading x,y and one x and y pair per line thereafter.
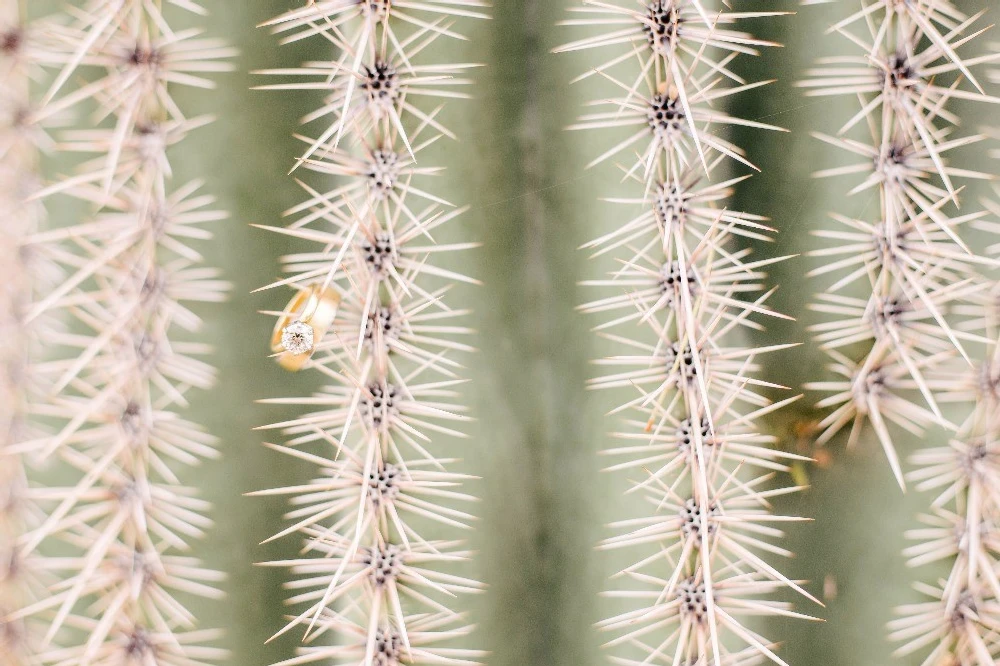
x,y
306,319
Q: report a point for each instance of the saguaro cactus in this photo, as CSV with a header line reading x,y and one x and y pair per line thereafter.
x,y
129,356
684,290
369,317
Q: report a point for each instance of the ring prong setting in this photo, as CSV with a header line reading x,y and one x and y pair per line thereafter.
x,y
298,338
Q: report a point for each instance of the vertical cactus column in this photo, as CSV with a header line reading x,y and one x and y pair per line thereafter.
x,y
369,315
958,617
682,294
20,219
128,361
908,289
911,256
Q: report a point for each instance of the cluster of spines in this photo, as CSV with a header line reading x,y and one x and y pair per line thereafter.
x,y
367,579
912,311
685,293
119,371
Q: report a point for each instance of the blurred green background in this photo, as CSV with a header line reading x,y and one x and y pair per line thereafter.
x,y
545,502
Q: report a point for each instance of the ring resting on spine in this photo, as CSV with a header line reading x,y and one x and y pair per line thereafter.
x,y
308,317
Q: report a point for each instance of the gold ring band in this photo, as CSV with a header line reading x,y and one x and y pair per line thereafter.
x,y
308,317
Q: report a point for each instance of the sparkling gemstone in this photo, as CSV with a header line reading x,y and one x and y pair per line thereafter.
x,y
297,338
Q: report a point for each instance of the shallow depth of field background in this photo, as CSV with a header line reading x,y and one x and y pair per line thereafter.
x,y
544,500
